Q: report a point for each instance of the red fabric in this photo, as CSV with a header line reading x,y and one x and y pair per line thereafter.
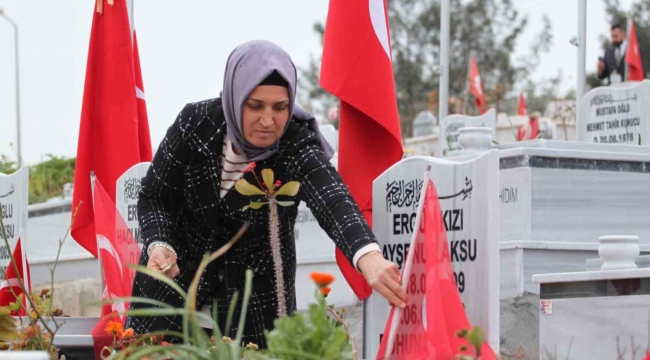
x,y
633,57
11,281
529,131
118,249
113,134
522,105
357,69
434,300
476,86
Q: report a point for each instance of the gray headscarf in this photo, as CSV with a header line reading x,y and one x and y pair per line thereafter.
x,y
248,65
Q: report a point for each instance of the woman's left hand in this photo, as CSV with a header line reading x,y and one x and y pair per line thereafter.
x,y
383,276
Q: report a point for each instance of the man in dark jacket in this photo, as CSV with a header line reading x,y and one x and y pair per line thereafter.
x,y
612,67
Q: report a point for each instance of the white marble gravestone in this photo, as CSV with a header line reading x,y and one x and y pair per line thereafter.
x,y
616,115
556,198
470,204
14,199
127,193
582,314
448,139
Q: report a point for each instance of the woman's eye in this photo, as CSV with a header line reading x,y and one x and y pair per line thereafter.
x,y
281,108
255,107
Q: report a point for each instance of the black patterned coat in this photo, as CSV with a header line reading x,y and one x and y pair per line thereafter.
x,y
180,205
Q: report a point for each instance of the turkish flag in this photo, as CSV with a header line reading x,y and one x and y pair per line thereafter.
x,y
476,86
117,250
11,283
427,327
114,132
357,68
522,105
633,57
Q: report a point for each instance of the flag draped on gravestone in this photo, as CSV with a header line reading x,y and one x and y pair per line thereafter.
x,y
357,68
427,327
11,282
476,86
117,249
114,132
633,57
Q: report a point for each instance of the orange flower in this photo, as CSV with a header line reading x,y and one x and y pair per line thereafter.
x,y
128,333
325,291
322,279
114,328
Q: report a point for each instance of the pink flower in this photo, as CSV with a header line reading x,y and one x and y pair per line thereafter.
x,y
278,183
250,167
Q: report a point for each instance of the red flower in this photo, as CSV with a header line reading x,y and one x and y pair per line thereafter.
x,y
278,183
250,167
322,279
325,291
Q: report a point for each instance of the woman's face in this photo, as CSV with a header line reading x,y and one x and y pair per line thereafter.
x,y
265,114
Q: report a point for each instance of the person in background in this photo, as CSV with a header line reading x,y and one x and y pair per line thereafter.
x,y
612,66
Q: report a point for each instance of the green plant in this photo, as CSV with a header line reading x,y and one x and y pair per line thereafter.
x,y
46,179
39,333
293,337
7,166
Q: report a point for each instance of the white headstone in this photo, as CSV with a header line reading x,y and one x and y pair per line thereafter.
x,y
424,123
449,126
615,115
469,200
127,192
14,197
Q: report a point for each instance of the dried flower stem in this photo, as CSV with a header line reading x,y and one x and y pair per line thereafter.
x,y
347,329
274,237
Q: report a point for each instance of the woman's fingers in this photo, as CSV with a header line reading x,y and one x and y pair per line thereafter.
x,y
163,261
390,295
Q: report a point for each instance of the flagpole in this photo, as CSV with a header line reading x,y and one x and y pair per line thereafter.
x,y
627,34
23,255
582,56
397,316
443,102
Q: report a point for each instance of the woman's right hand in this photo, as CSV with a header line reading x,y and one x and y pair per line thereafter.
x,y
160,259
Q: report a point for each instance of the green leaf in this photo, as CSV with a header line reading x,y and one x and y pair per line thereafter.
x,y
257,204
476,337
639,138
268,177
158,276
285,203
245,208
247,294
289,189
245,188
8,328
231,312
495,142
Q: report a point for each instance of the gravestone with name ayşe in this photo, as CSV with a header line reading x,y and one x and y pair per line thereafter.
x,y
468,192
127,193
14,197
449,126
616,115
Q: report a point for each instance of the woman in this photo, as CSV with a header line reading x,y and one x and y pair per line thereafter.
x,y
188,205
